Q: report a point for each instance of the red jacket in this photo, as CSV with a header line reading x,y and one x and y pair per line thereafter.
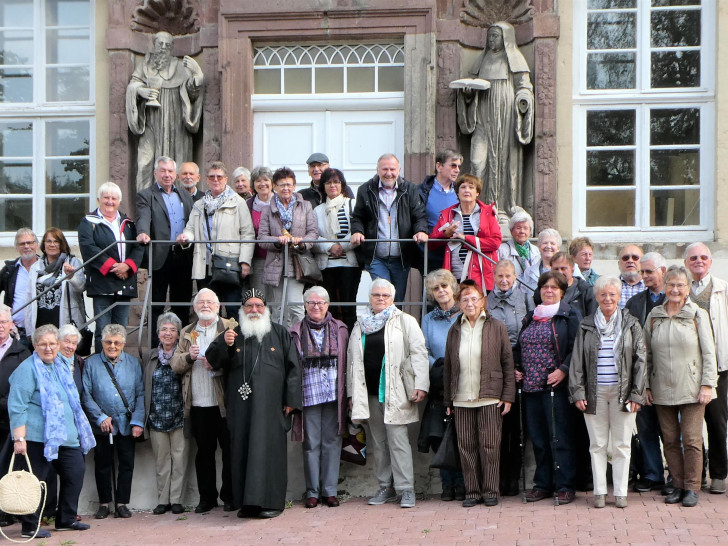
x,y
489,235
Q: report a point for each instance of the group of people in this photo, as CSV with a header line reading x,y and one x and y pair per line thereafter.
x,y
522,338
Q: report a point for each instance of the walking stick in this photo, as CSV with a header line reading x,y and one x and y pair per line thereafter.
x,y
554,440
521,441
113,469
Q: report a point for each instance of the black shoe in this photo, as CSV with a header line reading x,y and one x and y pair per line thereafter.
x,y
460,492
103,512
248,512
491,501
6,519
267,514
448,494
178,509
204,507
42,533
645,485
75,526
229,507
690,498
161,509
675,497
469,503
510,490
122,512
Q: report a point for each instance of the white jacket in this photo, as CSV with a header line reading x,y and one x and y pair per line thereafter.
x,y
719,320
402,337
321,250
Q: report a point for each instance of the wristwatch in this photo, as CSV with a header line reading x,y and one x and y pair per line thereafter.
x,y
19,439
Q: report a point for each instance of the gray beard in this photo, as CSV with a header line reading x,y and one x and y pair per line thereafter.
x,y
631,276
257,328
160,61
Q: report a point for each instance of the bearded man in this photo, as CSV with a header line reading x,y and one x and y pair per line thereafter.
x,y
163,107
263,388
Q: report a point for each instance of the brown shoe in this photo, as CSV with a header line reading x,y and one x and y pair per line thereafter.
x,y
331,502
566,497
535,495
311,502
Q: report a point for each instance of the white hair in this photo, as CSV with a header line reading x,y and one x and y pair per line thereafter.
x,y
241,171
319,291
68,330
656,258
549,232
604,281
695,245
383,283
518,217
108,187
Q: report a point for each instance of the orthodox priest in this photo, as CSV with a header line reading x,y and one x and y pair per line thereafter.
x,y
263,388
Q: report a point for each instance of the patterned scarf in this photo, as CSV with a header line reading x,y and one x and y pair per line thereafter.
x,y
164,358
372,322
327,355
211,203
54,433
524,251
439,314
286,213
332,214
51,270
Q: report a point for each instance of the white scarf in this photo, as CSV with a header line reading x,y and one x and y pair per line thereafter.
x,y
332,211
611,328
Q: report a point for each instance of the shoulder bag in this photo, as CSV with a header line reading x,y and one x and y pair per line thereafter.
x,y
224,269
124,401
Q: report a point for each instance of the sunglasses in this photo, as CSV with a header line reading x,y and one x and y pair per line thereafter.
x,y
628,257
702,257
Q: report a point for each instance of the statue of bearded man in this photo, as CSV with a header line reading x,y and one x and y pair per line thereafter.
x,y
163,107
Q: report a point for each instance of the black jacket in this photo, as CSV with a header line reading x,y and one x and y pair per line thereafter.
x,y
16,353
8,276
93,236
582,297
637,305
411,219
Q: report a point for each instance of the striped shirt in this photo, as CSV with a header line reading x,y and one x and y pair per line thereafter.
x,y
606,365
343,223
467,230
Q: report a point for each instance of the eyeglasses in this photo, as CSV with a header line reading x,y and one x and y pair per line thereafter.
x,y
216,177
47,345
26,243
171,329
469,301
5,322
254,305
647,271
702,257
110,343
52,243
678,285
317,303
333,183
628,257
381,296
284,186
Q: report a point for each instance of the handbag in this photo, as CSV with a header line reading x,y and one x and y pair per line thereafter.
x,y
139,439
20,494
83,347
224,269
447,456
306,268
354,444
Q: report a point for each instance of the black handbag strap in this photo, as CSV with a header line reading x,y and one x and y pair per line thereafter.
x,y
116,384
209,232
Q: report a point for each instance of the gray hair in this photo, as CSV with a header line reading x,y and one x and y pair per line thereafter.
x,y
108,187
437,276
4,309
695,245
45,330
197,167
68,330
25,231
518,217
549,232
169,318
259,171
164,159
656,258
317,291
113,330
387,156
383,283
240,171
677,271
204,290
503,264
604,281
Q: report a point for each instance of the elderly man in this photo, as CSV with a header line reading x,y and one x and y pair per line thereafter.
x,y
711,293
189,177
263,388
113,398
629,273
579,294
652,471
388,207
162,213
204,400
15,276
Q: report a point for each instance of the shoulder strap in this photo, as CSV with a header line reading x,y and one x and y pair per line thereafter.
x,y
116,384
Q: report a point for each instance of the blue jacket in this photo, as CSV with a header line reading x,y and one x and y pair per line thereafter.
x,y
101,399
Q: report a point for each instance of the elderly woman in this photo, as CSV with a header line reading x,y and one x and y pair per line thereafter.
x,y
337,261
63,303
440,287
469,221
262,194
164,410
519,249
387,374
113,397
682,375
479,389
111,277
49,425
241,182
288,221
543,356
549,243
221,215
607,382
68,338
509,305
321,342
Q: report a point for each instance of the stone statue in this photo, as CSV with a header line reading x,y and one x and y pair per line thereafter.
x,y
499,116
163,106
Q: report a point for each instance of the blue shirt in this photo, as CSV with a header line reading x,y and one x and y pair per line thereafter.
x,y
101,399
436,335
175,211
438,200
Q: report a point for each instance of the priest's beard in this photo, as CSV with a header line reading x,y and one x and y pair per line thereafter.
x,y
160,60
255,324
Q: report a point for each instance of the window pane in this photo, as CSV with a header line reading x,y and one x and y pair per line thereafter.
x,y
675,208
297,80
16,85
661,3
610,208
16,177
67,138
675,126
66,214
68,46
610,168
674,167
607,4
610,127
13,11
329,80
65,13
267,82
611,30
610,71
15,213
391,78
360,80
16,139
16,47
66,176
67,84
675,28
675,69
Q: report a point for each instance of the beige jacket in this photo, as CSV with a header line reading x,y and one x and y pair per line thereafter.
x,y
719,320
680,355
402,339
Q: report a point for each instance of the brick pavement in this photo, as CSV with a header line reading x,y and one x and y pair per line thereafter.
x,y
647,520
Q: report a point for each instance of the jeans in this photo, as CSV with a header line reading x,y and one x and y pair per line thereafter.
x,y
392,270
118,315
540,426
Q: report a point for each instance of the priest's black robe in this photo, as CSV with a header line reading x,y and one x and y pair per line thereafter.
x,y
258,426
